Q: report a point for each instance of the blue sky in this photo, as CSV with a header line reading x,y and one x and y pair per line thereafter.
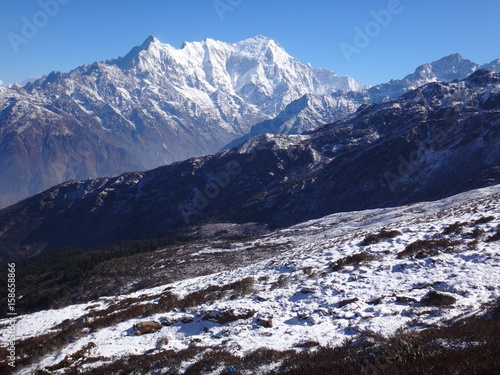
x,y
78,32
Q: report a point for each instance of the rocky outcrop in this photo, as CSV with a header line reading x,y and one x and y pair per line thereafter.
x,y
434,298
143,328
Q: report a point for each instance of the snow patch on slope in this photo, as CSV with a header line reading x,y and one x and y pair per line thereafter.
x,y
304,296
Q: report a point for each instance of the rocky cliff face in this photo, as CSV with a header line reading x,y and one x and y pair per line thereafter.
x,y
434,141
156,105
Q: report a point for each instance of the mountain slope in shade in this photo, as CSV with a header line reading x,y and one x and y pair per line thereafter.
x,y
156,105
303,115
435,141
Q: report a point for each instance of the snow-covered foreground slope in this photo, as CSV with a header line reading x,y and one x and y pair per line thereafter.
x,y
305,294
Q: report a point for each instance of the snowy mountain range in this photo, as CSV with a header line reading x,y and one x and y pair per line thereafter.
x,y
311,111
159,104
156,105
434,141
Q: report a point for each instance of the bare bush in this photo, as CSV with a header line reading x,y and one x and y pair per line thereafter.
x,y
282,282
354,260
494,237
378,237
427,248
484,220
455,228
214,293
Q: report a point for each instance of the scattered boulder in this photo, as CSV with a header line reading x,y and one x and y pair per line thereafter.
x,y
142,328
168,321
309,290
303,315
348,302
376,301
403,299
265,321
228,315
187,319
434,298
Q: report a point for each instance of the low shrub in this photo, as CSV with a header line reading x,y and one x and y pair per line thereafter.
x,y
167,362
427,248
478,232
467,347
307,344
378,237
69,360
214,293
211,361
494,237
484,220
455,228
354,260
282,282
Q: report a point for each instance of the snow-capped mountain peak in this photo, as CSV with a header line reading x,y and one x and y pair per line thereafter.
x,y
150,41
155,105
493,66
444,70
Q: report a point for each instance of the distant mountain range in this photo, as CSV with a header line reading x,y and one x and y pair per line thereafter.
x,y
434,141
159,104
311,110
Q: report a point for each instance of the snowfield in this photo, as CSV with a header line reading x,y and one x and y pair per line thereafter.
x,y
305,294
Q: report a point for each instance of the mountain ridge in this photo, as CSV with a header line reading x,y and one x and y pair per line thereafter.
x,y
446,69
159,104
156,105
388,153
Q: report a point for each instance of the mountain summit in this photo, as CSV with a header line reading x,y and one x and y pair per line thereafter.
x,y
156,105
311,111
